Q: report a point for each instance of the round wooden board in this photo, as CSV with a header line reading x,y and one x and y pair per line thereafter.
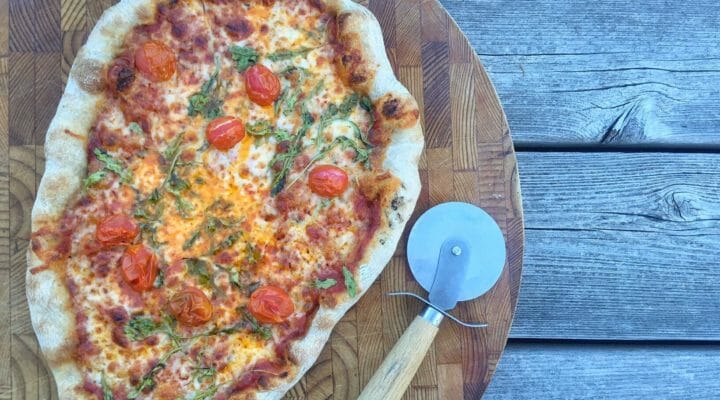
x,y
468,157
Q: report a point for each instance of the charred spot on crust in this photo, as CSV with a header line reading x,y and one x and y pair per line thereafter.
x,y
121,74
239,28
391,108
125,78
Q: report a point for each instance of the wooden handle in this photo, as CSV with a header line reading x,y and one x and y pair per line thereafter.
x,y
397,370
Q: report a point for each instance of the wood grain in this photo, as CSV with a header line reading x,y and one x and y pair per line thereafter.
x,y
620,246
616,371
605,73
469,158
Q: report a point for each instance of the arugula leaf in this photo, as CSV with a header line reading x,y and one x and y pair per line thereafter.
x,y
199,268
287,158
291,101
244,57
140,327
252,254
325,283
94,178
136,129
258,128
112,164
282,135
227,242
160,279
279,102
264,332
350,283
366,104
148,380
207,101
205,394
106,391
288,54
204,373
191,241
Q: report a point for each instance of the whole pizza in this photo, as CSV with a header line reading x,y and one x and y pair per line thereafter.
x,y
224,179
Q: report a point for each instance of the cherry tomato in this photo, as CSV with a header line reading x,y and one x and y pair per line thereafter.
x,y
270,305
262,86
116,229
191,307
138,267
155,60
225,132
328,180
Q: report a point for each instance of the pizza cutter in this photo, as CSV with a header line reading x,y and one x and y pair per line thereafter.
x,y
456,252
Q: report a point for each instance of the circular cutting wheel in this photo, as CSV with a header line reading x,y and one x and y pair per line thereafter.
x,y
482,240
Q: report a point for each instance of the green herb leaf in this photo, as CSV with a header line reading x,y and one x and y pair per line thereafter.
x,y
206,394
366,104
199,268
94,178
148,380
207,101
261,331
112,164
140,327
325,283
136,129
199,374
191,241
288,54
252,254
244,57
106,391
350,283
160,279
227,242
258,128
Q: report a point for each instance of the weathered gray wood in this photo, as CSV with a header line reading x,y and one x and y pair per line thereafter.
x,y
616,371
620,246
610,72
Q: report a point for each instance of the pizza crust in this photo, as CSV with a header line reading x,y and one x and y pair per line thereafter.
x,y
66,165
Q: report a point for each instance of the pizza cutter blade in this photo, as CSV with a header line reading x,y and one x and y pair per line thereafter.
x,y
456,252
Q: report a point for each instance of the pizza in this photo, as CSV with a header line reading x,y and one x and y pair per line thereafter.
x,y
223,181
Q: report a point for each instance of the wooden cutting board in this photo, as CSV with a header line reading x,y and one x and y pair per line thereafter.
x,y
468,157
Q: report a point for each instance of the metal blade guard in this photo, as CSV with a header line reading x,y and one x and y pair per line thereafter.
x,y
456,252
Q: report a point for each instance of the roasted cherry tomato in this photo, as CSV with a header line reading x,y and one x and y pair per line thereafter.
x,y
262,86
328,180
155,60
116,229
225,132
270,305
138,267
191,307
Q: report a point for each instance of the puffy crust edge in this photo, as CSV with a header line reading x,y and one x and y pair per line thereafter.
x,y
66,164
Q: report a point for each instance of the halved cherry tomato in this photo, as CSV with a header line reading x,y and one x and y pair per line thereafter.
x,y
155,60
116,229
270,305
225,132
262,86
328,180
138,267
191,307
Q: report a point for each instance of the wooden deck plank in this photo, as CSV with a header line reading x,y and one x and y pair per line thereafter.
x,y
620,246
601,73
613,371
